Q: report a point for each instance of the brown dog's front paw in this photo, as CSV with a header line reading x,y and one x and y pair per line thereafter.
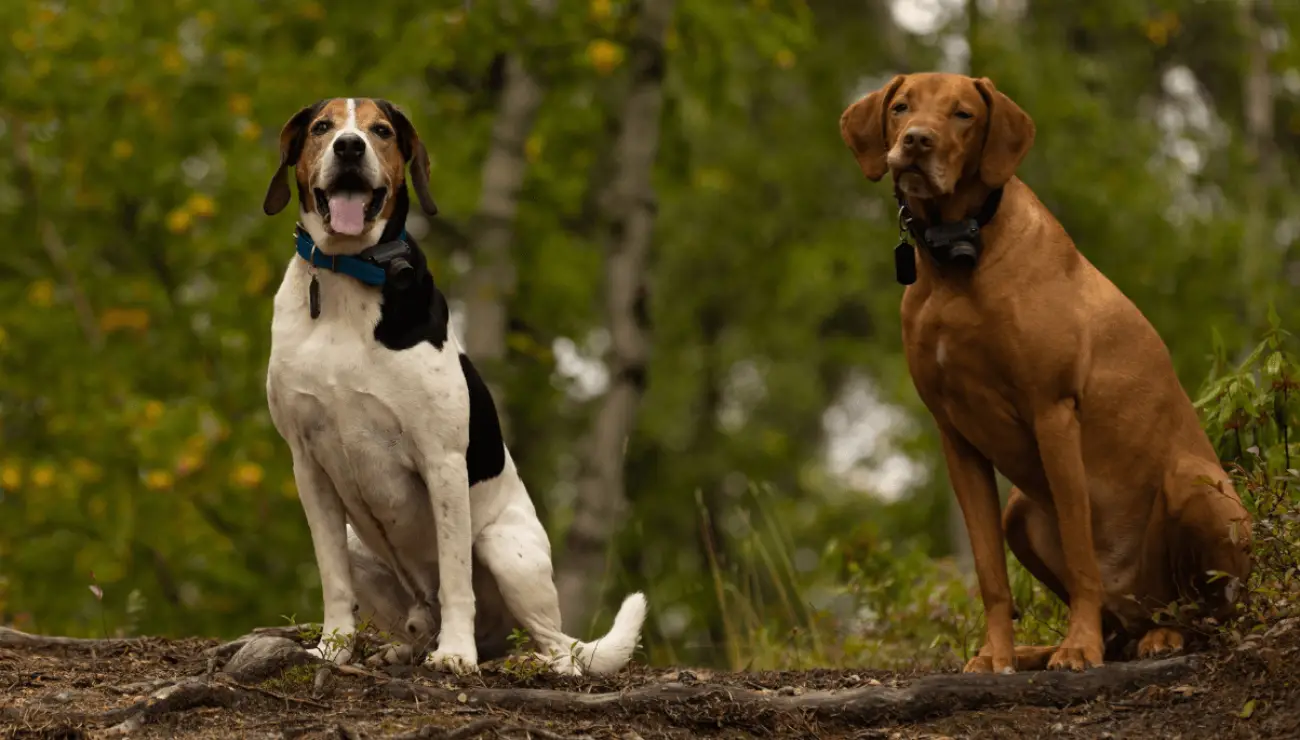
x,y
987,664
1074,659
1160,641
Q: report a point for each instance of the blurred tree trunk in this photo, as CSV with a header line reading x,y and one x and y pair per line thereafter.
x,y
491,280
627,216
1258,104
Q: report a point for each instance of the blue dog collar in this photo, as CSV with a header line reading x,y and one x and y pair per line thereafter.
x,y
358,269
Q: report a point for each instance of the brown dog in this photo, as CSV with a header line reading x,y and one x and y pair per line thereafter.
x,y
1034,364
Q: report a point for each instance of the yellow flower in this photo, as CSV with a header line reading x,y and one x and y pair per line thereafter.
x,y
249,130
785,59
599,9
104,66
85,469
246,475
113,319
158,480
11,476
123,149
604,55
233,58
533,147
23,40
207,18
312,11
153,411
179,221
43,476
41,293
201,205
258,274
188,463
240,104
172,61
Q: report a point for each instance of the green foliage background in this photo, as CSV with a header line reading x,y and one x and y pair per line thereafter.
x,y
136,140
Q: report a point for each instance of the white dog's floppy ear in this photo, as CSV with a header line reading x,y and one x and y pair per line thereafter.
x,y
862,126
292,138
413,151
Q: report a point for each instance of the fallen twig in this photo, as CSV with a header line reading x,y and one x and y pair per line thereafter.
x,y
429,732
275,695
181,696
13,638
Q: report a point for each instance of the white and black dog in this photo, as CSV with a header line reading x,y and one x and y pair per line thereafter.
x,y
418,517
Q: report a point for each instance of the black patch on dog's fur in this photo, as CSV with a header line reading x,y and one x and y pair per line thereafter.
x,y
486,456
419,313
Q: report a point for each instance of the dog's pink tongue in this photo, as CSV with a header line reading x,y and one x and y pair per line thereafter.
x,y
348,214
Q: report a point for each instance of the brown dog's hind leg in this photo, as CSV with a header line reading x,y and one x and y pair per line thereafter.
x,y
1031,535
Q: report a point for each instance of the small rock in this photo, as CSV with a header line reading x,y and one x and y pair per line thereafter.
x,y
786,691
264,657
1057,728
686,677
321,681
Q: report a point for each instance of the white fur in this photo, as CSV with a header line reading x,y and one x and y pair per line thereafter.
x,y
367,428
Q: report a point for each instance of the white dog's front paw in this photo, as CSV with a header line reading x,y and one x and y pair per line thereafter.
x,y
338,656
460,662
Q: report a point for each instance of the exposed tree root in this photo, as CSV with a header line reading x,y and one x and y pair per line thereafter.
x,y
927,697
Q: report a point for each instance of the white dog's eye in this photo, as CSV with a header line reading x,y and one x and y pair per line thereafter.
x,y
381,131
320,127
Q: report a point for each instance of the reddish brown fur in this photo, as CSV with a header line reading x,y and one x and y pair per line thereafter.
x,y
1037,365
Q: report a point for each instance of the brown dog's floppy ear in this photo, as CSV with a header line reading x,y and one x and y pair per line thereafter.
x,y
1008,138
862,126
292,138
413,151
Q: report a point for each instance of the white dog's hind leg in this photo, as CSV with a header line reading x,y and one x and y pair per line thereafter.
x,y
328,524
385,604
447,477
515,548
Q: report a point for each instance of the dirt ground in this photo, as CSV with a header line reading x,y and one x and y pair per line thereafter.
x,y
155,688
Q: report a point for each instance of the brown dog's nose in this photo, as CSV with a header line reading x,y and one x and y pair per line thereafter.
x,y
918,139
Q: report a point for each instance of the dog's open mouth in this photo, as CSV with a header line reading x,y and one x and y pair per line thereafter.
x,y
349,204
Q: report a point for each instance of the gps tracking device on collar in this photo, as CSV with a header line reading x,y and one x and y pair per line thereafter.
x,y
394,258
956,242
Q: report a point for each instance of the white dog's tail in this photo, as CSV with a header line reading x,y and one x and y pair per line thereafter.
x,y
611,652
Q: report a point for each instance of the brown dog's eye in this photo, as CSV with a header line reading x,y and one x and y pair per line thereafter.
x,y
963,115
320,127
381,130
899,108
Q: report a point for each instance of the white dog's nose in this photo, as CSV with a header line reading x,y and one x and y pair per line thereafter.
x,y
350,148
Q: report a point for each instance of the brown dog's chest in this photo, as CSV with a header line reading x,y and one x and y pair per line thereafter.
x,y
963,362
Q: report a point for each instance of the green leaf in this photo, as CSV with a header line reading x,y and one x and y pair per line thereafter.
x,y
1247,710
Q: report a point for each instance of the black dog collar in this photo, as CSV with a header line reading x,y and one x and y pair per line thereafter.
x,y
949,243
